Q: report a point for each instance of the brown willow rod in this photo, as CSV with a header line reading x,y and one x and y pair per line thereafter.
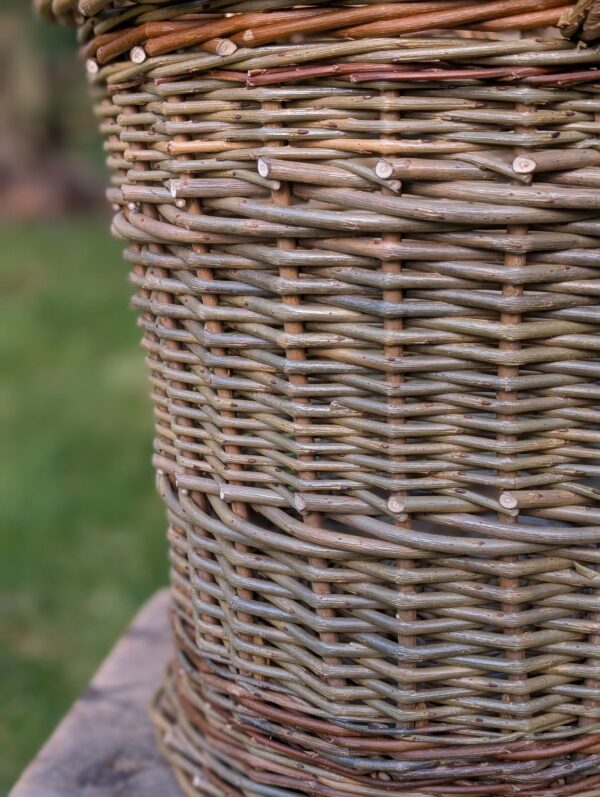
x,y
263,34
221,27
448,18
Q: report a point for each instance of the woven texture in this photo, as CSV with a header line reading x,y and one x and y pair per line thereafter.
x,y
364,244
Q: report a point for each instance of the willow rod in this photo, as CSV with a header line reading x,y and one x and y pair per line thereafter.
x,y
466,14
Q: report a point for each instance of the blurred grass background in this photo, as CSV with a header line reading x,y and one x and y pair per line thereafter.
x,y
81,542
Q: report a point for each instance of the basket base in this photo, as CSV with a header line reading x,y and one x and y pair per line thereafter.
x,y
217,748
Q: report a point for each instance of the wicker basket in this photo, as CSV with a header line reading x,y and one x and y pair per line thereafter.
x,y
364,241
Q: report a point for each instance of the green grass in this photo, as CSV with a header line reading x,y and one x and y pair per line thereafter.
x,y
81,529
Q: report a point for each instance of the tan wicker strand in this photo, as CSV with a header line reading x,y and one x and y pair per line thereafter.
x,y
364,244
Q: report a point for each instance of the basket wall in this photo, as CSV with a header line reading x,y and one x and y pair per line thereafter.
x,y
364,245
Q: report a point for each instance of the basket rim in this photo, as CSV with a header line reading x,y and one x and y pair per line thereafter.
x,y
580,22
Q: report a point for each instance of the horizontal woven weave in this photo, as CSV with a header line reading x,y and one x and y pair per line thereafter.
x,y
364,244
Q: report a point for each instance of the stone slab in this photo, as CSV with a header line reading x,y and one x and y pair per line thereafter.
x,y
105,746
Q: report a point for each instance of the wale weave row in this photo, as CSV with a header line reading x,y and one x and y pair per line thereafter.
x,y
364,244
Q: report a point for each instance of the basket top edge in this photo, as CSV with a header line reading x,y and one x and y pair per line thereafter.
x,y
579,22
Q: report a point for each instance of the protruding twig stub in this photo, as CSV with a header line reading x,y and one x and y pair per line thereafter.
x,y
300,504
508,501
90,7
384,169
524,164
225,47
137,55
582,22
395,504
263,167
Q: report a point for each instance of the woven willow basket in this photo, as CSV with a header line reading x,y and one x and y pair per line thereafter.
x,y
364,241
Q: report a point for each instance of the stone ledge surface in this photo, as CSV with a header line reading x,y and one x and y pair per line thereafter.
x,y
105,746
